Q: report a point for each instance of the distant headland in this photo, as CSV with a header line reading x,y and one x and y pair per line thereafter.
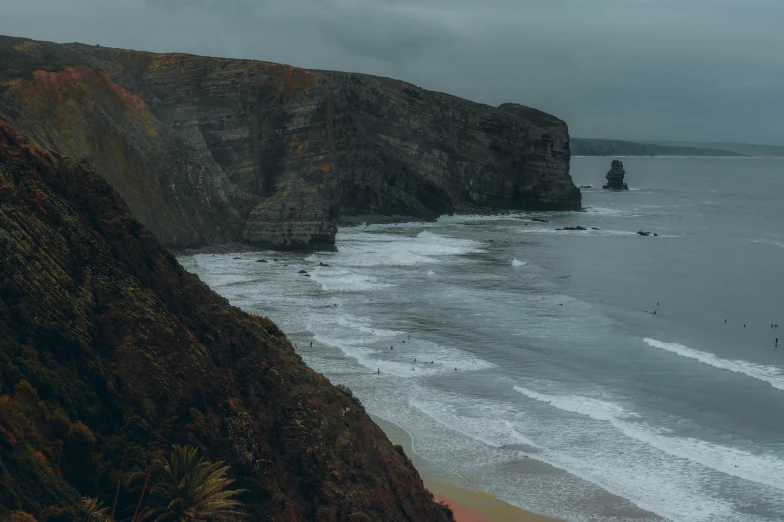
x,y
592,147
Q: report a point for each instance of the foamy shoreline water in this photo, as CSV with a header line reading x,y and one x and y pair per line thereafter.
x,y
571,398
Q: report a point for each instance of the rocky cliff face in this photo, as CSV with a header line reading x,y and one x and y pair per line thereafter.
x,y
615,177
206,150
110,352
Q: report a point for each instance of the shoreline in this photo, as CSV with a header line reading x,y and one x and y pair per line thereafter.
x,y
474,505
478,506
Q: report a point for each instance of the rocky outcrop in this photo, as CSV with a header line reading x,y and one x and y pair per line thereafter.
x,y
110,352
206,150
615,177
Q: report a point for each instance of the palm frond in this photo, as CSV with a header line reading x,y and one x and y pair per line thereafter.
x,y
185,487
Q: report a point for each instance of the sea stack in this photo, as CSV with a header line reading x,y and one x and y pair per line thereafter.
x,y
615,177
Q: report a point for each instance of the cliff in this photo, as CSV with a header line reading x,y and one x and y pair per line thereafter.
x,y
110,352
206,150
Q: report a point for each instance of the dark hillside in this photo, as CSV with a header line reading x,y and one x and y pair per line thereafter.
x,y
108,348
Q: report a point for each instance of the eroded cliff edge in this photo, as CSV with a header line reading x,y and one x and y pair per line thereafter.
x,y
206,150
110,352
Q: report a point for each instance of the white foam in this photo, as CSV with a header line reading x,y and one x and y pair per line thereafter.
x,y
655,486
762,469
363,326
604,211
495,433
344,280
516,262
364,249
769,374
593,408
374,354
767,242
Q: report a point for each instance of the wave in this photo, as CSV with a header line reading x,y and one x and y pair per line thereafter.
x,y
762,469
366,249
660,492
374,354
494,433
769,374
593,408
604,211
340,280
516,262
364,327
768,242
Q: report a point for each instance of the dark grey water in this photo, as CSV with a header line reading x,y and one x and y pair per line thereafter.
x,y
571,397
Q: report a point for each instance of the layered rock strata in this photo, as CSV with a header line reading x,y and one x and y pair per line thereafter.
x,y
208,150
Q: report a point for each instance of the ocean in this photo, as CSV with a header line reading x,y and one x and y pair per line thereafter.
x,y
600,375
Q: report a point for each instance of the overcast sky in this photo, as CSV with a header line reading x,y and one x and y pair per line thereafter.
x,y
697,70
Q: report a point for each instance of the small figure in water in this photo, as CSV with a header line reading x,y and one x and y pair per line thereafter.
x,y
725,321
777,342
654,312
414,359
391,348
311,344
378,371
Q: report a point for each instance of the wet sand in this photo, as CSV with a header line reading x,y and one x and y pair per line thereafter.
x,y
476,506
473,506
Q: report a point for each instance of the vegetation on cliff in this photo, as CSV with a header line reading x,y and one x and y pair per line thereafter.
x,y
110,352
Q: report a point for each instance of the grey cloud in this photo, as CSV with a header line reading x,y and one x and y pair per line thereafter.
x,y
709,70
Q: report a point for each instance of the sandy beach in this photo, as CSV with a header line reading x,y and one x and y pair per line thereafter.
x,y
467,504
475,506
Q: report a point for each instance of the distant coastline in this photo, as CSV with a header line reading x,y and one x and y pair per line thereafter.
x,y
617,148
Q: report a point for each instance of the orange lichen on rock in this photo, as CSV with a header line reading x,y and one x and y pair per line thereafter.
x,y
76,87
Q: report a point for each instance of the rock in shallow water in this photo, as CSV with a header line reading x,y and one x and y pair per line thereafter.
x,y
615,177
